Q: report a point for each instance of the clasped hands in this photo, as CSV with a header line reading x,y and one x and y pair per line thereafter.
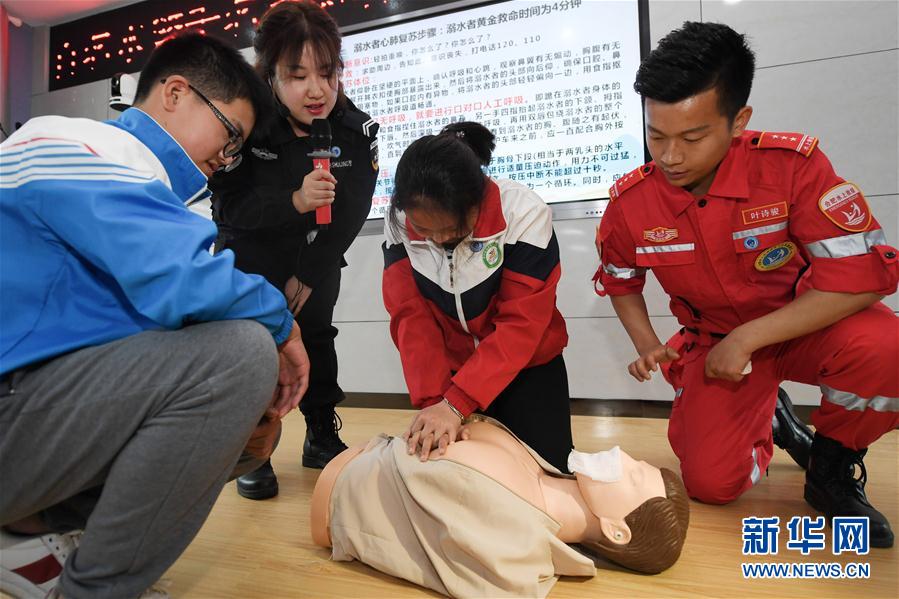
x,y
433,429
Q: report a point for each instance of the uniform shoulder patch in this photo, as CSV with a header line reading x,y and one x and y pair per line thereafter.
x,y
629,180
798,142
358,121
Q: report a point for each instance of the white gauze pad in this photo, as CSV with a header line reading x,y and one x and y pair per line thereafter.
x,y
602,466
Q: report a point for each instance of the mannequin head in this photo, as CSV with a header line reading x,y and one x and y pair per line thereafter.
x,y
650,537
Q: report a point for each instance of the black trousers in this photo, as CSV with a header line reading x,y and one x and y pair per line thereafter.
x,y
275,259
536,407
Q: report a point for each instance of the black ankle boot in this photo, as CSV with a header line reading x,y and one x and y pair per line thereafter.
x,y
831,486
790,433
261,483
322,442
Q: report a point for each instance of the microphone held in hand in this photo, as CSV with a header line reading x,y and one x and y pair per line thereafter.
x,y
321,158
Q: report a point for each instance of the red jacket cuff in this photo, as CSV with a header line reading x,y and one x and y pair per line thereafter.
x,y
614,286
427,402
461,400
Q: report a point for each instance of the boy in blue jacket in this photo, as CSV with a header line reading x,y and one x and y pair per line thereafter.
x,y
134,365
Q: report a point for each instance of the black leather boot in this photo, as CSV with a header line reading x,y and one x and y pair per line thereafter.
x,y
790,433
322,441
831,486
261,483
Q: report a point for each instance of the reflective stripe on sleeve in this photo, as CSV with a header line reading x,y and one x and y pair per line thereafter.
x,y
623,273
847,245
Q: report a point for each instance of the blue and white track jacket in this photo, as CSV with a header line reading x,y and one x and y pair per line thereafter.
x,y
96,243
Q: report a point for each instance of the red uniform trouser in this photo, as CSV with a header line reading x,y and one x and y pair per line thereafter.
x,y
721,430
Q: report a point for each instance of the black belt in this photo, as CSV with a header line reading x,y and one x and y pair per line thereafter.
x,y
9,381
698,332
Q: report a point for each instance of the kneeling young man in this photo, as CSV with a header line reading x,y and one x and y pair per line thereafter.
x,y
775,267
135,365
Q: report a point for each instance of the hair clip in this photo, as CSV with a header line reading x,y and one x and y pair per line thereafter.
x,y
460,134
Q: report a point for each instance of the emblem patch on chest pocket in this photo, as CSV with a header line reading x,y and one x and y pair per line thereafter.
x,y
660,234
775,256
492,255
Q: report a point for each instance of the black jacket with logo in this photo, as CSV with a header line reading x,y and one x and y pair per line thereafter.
x,y
254,200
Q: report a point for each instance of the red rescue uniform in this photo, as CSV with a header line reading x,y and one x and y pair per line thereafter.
x,y
775,222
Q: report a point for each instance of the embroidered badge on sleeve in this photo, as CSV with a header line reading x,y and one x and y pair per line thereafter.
x,y
846,207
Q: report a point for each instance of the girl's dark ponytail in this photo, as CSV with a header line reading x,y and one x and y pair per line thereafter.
x,y
476,136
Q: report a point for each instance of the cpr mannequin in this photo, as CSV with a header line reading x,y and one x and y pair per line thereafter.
x,y
491,518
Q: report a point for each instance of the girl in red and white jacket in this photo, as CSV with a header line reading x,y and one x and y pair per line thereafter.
x,y
471,266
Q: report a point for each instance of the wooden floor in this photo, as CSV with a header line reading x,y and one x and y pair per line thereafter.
x,y
264,549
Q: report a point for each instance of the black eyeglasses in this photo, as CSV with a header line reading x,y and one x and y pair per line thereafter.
x,y
235,139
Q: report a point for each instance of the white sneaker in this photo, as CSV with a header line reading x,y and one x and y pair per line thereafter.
x,y
157,591
30,565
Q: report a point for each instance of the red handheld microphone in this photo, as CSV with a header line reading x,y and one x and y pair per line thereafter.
x,y
321,158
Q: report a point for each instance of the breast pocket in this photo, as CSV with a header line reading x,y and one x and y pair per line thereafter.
x,y
674,265
764,249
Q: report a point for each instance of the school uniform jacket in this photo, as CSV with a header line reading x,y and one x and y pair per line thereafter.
x,y
467,321
97,243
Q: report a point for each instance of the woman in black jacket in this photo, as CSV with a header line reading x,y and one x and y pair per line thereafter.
x,y
265,209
